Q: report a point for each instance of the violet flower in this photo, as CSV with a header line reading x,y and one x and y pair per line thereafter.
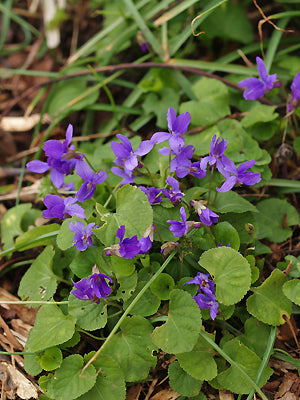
x,y
177,126
82,238
174,194
123,173
126,157
258,87
93,288
180,228
126,248
207,301
59,208
207,217
92,179
181,163
204,283
295,87
61,159
152,193
217,149
235,175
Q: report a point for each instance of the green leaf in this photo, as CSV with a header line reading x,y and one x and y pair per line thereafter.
x,y
132,348
127,286
68,94
50,359
51,328
226,234
230,271
180,333
162,286
65,235
38,282
259,113
292,290
122,266
248,361
256,336
147,305
268,303
199,362
182,382
89,315
11,224
239,222
84,261
212,104
40,235
132,210
274,219
229,22
232,202
110,383
161,215
69,382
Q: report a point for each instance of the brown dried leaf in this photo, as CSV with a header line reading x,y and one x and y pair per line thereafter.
x,y
289,388
165,394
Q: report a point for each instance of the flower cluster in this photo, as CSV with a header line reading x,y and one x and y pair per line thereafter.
x,y
205,298
93,288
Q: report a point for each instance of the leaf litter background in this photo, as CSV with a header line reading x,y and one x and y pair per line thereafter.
x,y
23,46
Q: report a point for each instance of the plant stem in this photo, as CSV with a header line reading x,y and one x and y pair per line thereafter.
x,y
21,303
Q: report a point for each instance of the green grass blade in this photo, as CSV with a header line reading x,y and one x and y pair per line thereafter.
x,y
274,43
174,12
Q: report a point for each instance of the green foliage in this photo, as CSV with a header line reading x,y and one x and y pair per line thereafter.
x,y
232,202
69,382
11,224
132,210
268,303
182,382
199,363
162,286
291,289
274,219
39,282
132,348
37,236
230,271
226,234
180,333
50,359
89,315
248,361
147,305
212,103
51,328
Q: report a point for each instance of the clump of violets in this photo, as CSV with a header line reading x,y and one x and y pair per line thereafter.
x,y
257,87
60,208
205,298
61,159
295,96
180,228
83,235
93,288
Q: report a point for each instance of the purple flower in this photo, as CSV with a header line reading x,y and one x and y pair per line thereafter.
x,y
152,193
217,149
258,87
179,228
92,179
82,237
207,217
59,208
175,194
123,173
235,175
196,170
181,163
93,288
295,87
177,126
203,282
61,159
207,301
126,157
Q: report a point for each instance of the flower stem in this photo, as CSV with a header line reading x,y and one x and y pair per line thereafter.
x,y
210,183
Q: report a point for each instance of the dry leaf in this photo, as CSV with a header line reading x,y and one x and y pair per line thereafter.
x,y
21,124
225,395
165,394
16,381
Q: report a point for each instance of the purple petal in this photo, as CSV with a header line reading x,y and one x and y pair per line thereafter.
x,y
255,88
228,184
121,232
171,118
57,178
84,170
53,148
69,135
37,166
131,163
160,137
144,148
245,165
